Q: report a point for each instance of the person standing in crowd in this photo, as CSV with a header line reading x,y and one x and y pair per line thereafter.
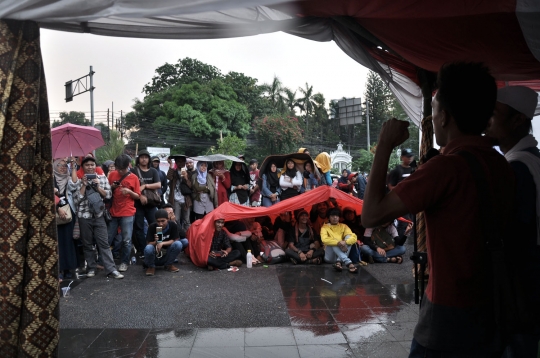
x,y
163,247
222,181
80,171
126,192
162,178
254,189
338,239
270,185
510,126
180,191
361,186
304,247
90,213
221,254
290,180
108,166
456,316
149,179
309,181
324,163
203,191
396,175
67,253
239,184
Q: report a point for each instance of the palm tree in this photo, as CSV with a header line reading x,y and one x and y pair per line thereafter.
x,y
306,103
291,100
275,94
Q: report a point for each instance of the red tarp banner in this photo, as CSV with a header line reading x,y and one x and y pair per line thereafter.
x,y
201,231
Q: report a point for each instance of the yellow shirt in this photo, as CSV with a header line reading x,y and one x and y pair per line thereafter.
x,y
332,234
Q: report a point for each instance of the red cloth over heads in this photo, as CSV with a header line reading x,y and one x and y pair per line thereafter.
x,y
201,231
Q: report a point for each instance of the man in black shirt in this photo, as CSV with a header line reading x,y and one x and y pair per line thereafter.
x,y
395,176
163,245
304,246
162,178
149,178
221,254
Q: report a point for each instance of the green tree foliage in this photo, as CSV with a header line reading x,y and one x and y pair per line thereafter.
x,y
363,159
111,150
185,71
275,94
72,117
277,134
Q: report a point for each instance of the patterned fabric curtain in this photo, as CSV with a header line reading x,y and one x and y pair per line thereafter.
x,y
425,145
29,315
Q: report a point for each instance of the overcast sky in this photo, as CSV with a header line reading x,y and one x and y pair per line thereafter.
x,y
123,65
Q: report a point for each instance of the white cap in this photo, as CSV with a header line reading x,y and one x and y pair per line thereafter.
x,y
522,99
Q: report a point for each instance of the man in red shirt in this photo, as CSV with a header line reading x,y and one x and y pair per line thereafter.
x,y
126,189
456,316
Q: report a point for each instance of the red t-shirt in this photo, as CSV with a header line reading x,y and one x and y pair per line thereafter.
x,y
124,205
445,190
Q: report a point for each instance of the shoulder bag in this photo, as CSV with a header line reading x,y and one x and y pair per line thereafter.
x,y
152,196
383,239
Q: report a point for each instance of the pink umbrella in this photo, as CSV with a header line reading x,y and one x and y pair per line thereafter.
x,y
73,140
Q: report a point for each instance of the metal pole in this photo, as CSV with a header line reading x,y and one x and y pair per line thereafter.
x,y
367,121
91,97
113,124
121,125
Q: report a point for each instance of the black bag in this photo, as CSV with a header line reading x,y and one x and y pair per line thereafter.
x,y
95,202
383,239
152,196
512,306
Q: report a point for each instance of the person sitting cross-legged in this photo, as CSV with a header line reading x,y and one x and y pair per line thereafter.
x,y
338,239
221,254
163,249
304,247
383,244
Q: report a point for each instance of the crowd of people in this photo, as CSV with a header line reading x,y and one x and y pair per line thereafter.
x,y
124,210
478,206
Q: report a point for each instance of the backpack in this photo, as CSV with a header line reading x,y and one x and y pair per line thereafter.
x,y
95,202
272,252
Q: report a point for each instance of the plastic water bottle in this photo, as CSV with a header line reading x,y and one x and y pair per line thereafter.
x,y
249,258
133,260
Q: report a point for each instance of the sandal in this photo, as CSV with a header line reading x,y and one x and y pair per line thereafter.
x,y
316,261
337,266
353,269
391,260
399,260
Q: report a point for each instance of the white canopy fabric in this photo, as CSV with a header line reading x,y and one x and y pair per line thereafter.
x,y
391,38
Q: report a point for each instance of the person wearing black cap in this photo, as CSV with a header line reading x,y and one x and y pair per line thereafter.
x,y
162,177
397,175
88,195
149,179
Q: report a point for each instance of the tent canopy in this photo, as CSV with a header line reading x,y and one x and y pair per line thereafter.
x,y
398,40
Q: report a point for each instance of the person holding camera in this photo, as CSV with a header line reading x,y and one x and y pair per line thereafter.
x,y
88,195
163,245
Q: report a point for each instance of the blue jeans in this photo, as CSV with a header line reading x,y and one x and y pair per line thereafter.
x,y
151,260
184,243
266,202
138,225
396,251
126,224
334,253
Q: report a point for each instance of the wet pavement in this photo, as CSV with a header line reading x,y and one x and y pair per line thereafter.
x,y
278,311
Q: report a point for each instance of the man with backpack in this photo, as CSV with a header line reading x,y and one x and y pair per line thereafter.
x,y
457,316
88,195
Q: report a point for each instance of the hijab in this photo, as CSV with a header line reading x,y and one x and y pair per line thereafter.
x,y
323,162
291,173
272,177
201,176
240,177
61,178
343,179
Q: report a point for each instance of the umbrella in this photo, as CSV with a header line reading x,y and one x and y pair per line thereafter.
x,y
216,158
73,140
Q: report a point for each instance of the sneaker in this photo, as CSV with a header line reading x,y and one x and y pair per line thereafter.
x,y
150,271
123,267
115,274
91,273
236,263
172,268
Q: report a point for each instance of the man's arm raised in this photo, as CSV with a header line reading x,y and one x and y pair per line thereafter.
x,y
379,207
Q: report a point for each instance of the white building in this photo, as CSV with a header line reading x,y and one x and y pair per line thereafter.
x,y
340,158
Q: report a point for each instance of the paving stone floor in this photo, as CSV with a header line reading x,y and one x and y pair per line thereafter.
x,y
277,311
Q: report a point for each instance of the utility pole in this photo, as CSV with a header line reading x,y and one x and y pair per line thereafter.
x,y
121,125
109,128
77,87
114,125
367,122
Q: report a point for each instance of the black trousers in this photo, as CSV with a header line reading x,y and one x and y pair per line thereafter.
x,y
223,262
242,247
296,256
